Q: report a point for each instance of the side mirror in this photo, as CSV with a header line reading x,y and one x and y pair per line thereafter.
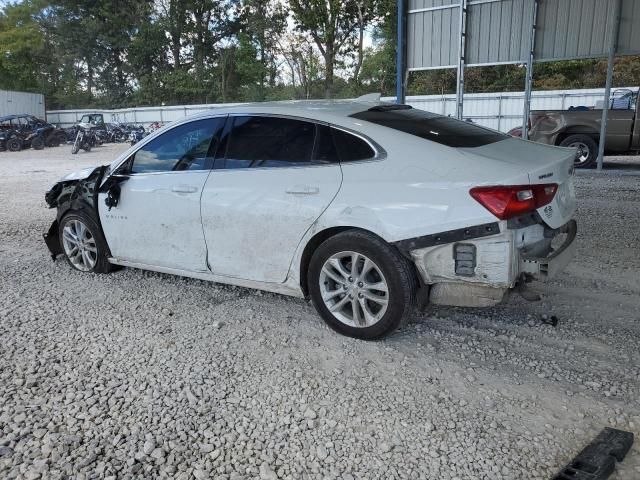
x,y
112,188
113,197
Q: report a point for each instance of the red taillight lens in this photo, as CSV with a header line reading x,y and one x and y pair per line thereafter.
x,y
513,200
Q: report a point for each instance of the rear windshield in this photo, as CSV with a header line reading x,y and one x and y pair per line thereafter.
x,y
445,130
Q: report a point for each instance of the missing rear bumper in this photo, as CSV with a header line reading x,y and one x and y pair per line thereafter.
x,y
547,267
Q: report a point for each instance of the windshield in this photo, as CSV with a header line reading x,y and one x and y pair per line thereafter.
x,y
444,130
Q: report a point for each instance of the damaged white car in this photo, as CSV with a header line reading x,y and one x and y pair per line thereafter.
x,y
361,205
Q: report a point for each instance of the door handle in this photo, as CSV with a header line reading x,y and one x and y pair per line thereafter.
x,y
184,189
302,190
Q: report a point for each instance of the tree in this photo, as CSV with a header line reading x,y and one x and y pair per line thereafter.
x,y
23,48
262,23
331,24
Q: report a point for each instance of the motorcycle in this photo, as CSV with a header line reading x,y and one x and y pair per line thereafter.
x,y
85,138
137,134
117,133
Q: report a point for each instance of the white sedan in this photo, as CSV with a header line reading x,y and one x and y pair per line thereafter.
x,y
361,205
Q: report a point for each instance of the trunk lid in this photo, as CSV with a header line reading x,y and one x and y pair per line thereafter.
x,y
543,164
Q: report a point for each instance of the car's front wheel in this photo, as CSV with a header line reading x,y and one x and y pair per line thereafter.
x,y
83,244
14,144
361,286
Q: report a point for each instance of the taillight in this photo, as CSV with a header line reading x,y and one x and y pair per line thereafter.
x,y
508,201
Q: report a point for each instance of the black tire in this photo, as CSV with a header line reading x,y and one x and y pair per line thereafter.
x,y
14,144
37,143
588,149
398,272
86,147
75,148
53,141
102,265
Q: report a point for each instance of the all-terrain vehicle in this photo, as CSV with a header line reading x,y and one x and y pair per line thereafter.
x,y
24,131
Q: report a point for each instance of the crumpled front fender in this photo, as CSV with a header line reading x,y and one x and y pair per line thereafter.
x,y
52,240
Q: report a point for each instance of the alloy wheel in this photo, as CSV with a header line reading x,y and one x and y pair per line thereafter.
x,y
354,289
79,245
583,152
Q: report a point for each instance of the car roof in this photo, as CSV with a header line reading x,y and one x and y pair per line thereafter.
x,y
322,110
12,117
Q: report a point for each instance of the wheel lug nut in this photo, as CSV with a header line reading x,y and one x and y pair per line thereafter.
x,y
360,295
360,284
351,279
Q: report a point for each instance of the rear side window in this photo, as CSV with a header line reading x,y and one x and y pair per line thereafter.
x,y
444,130
351,148
325,151
257,141
185,147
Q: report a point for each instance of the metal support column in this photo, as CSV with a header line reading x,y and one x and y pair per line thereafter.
x,y
461,59
528,83
613,45
400,53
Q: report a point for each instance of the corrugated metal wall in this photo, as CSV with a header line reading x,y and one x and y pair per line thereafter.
x,y
501,111
573,29
629,35
21,102
498,31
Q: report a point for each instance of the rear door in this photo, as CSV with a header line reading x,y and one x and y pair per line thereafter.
x,y
276,177
157,220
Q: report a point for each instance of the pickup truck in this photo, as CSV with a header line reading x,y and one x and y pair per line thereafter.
x,y
579,127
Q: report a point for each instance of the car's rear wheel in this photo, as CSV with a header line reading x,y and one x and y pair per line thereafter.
x,y
83,243
37,143
587,149
361,286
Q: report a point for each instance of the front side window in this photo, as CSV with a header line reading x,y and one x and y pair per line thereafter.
x,y
444,130
187,147
257,141
23,122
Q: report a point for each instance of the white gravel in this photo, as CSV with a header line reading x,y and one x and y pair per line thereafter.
x,y
143,375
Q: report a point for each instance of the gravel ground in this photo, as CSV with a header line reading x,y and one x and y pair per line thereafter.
x,y
143,375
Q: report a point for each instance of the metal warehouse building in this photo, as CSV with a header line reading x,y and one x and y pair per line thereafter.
x,y
22,102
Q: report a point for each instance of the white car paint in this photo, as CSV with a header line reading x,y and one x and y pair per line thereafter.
x,y
255,232
158,220
254,218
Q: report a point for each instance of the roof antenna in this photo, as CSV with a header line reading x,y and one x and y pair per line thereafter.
x,y
369,97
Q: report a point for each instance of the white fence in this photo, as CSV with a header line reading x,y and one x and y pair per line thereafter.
x,y
501,111
21,102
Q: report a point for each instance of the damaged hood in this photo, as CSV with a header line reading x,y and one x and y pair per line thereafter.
x,y
79,174
76,184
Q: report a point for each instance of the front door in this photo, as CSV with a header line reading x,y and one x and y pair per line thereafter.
x,y
157,220
275,180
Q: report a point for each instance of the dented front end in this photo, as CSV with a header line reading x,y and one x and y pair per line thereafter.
x,y
75,192
476,270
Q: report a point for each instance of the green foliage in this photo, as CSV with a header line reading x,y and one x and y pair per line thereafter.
x,y
23,48
119,53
